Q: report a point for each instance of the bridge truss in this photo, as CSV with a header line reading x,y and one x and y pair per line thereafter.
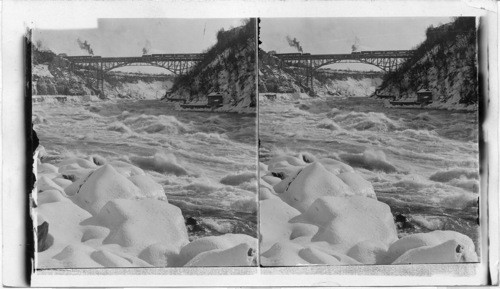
x,y
176,63
386,60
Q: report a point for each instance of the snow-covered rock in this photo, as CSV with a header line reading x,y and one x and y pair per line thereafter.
x,y
346,221
148,186
211,243
141,223
64,220
358,184
312,182
432,239
160,255
448,252
275,227
102,186
239,255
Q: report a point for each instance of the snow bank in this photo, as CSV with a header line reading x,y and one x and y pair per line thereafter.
x,y
325,212
312,182
431,239
217,244
41,70
131,220
113,214
148,186
239,255
336,217
102,186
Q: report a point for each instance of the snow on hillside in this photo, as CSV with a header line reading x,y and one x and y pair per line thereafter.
x,y
228,68
41,70
445,63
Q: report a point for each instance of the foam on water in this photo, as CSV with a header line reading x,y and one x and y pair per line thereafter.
x,y
361,121
455,173
370,159
189,153
162,163
423,164
329,124
119,127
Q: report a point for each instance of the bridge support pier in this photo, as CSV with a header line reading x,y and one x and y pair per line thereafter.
x,y
310,77
100,80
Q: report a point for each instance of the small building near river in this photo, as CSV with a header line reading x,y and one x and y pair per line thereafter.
x,y
214,99
424,96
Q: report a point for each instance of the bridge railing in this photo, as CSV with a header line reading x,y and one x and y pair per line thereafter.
x,y
353,55
153,57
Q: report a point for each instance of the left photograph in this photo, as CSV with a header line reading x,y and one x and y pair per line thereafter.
x,y
148,144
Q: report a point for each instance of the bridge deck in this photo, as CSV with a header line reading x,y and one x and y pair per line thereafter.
x,y
144,58
354,55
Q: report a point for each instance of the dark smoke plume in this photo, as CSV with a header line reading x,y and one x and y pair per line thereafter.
x,y
294,43
147,47
85,46
355,47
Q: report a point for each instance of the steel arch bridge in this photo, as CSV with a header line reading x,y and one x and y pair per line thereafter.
x,y
387,60
176,63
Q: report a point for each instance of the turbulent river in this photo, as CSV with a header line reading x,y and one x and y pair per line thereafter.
x,y
205,161
423,163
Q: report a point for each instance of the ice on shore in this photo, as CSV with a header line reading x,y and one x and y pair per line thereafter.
x,y
324,212
314,181
217,245
102,214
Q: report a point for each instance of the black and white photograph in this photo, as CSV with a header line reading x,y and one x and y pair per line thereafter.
x,y
368,134
148,149
303,143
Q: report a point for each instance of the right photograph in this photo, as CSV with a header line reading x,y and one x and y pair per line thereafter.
x,y
368,141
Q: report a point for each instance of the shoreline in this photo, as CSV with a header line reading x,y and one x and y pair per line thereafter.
x,y
330,215
113,214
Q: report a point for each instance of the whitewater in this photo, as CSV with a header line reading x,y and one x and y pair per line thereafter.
x,y
204,161
423,163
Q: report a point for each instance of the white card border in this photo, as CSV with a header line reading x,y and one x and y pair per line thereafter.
x,y
18,15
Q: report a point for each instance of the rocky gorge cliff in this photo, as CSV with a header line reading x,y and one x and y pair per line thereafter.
x,y
445,63
227,68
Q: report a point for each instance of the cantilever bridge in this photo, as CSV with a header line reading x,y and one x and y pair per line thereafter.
x,y
176,63
387,60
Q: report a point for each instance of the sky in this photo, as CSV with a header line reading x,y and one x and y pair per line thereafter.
x,y
337,35
128,37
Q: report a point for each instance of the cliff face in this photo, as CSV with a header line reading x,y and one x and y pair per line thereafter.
x,y
274,78
228,68
444,63
51,76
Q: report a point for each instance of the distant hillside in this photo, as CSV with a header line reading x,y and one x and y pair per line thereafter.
x,y
445,63
276,78
51,76
228,67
